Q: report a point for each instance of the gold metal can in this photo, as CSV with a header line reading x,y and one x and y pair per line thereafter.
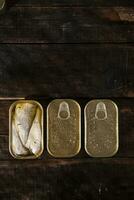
x,y
63,128
101,128
26,139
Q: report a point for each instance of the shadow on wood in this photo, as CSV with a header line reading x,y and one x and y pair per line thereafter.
x,y
10,3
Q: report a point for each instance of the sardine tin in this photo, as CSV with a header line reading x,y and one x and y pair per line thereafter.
x,y
26,136
101,128
63,128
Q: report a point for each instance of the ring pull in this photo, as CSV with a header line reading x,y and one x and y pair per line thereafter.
x,y
64,111
101,111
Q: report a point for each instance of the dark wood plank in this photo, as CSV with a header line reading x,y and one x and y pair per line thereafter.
x,y
88,179
66,71
71,3
126,129
67,25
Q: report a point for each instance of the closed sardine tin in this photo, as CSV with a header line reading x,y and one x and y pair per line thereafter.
x,y
101,128
63,128
26,139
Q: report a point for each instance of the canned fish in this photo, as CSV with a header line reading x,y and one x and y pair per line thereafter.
x,y
26,129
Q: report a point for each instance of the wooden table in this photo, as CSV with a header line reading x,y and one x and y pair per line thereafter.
x,y
68,49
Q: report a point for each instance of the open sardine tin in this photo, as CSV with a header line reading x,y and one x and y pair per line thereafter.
x,y
101,128
26,140
63,128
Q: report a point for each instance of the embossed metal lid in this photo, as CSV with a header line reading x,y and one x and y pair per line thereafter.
x,y
63,128
101,128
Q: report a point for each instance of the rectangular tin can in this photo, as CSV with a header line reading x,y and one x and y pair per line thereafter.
x,y
26,140
101,128
63,128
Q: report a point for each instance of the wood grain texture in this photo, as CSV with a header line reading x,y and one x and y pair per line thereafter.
x,y
91,3
66,70
22,24
93,57
87,179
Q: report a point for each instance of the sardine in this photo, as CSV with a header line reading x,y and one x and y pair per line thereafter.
x,y
24,115
35,135
17,146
